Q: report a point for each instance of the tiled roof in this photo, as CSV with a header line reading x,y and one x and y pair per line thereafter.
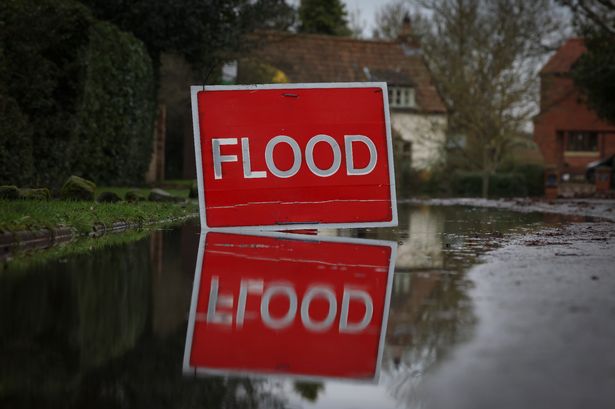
x,y
561,62
321,58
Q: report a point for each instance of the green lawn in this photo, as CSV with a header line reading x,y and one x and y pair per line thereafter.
x,y
121,191
32,214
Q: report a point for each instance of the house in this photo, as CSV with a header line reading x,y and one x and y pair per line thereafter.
x,y
570,135
418,114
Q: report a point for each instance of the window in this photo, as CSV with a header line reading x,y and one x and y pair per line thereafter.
x,y
401,97
582,141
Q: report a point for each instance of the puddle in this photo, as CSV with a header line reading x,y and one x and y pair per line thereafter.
x,y
110,326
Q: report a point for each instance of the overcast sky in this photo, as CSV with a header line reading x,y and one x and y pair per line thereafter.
x,y
367,9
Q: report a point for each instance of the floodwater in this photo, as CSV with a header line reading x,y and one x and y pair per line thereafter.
x,y
110,328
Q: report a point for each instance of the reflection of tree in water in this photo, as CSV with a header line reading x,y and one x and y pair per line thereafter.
x,y
79,332
74,315
150,377
113,301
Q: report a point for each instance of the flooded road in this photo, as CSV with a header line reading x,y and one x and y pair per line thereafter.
x,y
108,328
546,334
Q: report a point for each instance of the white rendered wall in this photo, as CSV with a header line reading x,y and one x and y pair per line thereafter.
x,y
427,132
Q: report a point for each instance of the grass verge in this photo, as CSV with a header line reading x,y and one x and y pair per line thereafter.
x,y
23,260
23,215
121,191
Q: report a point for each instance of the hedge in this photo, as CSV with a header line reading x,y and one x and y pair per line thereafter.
x,y
469,184
117,114
16,159
80,92
534,178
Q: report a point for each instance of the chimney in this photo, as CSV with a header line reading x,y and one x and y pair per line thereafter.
x,y
406,36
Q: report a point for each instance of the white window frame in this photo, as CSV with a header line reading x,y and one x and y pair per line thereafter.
x,y
402,97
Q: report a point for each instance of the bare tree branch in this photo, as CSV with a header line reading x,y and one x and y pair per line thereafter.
x,y
484,56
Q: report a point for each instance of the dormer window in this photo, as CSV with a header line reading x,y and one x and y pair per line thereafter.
x,y
401,97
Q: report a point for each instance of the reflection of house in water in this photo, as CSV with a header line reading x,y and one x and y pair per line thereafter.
x,y
417,276
428,303
411,292
408,352
423,247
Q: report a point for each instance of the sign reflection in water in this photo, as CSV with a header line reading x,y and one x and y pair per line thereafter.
x,y
287,304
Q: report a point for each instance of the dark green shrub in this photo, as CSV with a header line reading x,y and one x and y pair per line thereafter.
x,y
60,71
435,183
412,182
507,185
469,184
15,143
133,196
406,180
43,44
35,194
466,184
108,197
9,192
534,178
116,117
194,190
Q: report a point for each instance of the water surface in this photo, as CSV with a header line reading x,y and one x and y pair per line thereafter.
x,y
108,328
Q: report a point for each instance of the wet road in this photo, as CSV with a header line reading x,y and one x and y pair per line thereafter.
x,y
546,339
108,329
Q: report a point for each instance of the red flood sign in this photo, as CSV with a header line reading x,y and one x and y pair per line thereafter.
x,y
284,305
306,155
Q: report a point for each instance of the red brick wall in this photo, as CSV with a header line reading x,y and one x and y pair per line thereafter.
x,y
577,164
609,144
563,109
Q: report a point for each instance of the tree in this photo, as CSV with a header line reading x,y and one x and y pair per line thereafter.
x,y
202,31
356,23
196,35
76,96
483,55
323,17
597,14
389,19
594,72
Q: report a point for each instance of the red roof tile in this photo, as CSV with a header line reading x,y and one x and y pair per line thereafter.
x,y
321,58
561,62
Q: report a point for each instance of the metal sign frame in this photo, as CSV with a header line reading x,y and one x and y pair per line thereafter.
x,y
195,89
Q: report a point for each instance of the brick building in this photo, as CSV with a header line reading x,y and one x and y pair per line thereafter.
x,y
569,134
